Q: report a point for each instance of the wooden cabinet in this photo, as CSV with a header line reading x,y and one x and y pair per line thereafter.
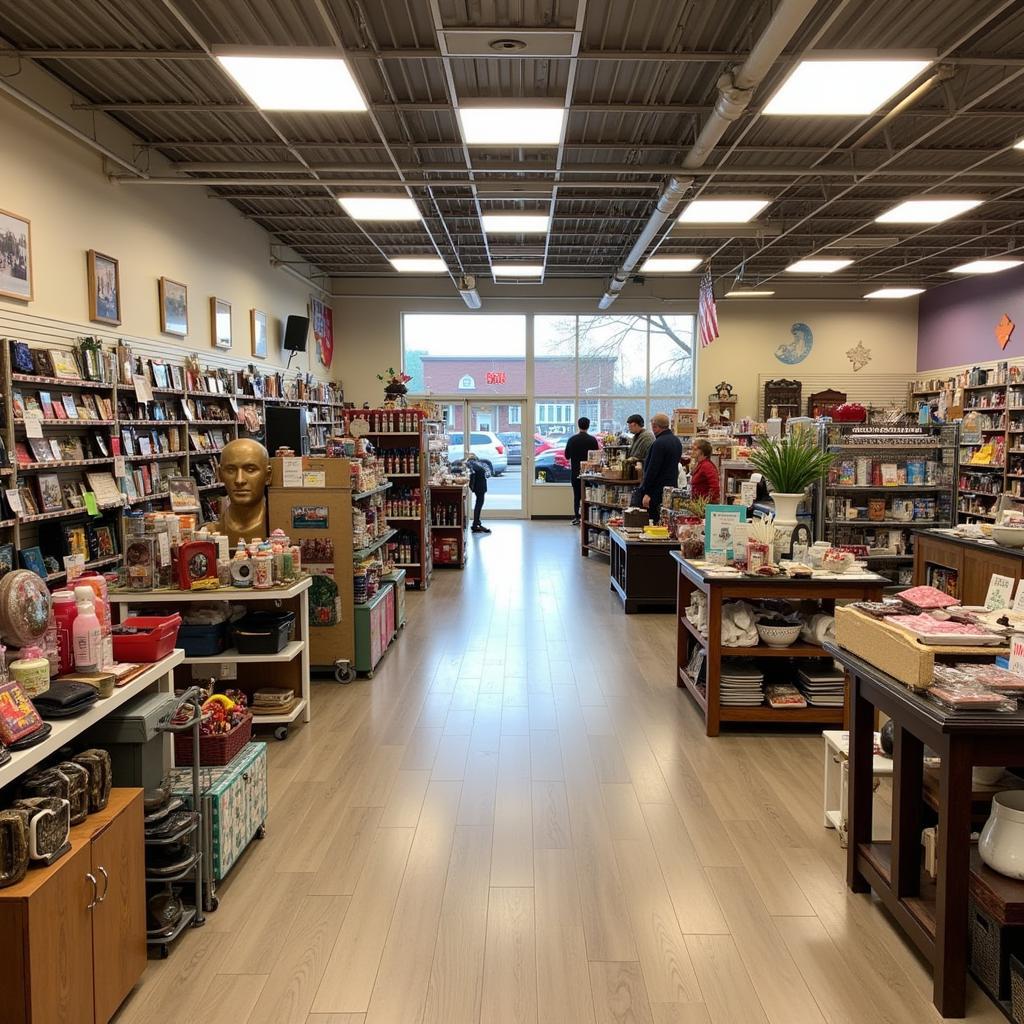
x,y
72,949
974,563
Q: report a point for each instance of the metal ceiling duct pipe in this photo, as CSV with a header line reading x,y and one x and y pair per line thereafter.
x,y
735,89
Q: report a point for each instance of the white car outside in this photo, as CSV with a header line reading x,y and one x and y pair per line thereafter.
x,y
487,447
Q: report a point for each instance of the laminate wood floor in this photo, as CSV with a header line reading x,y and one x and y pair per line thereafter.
x,y
520,821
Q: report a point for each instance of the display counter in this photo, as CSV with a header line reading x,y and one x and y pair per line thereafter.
x,y
820,593
961,566
641,571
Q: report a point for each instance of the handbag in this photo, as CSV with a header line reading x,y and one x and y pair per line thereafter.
x,y
65,700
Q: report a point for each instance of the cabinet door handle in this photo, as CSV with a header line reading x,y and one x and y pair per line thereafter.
x,y
95,890
106,884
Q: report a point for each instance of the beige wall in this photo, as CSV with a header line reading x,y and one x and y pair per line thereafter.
x,y
180,233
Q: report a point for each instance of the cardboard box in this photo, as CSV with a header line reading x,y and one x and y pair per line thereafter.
x,y
337,472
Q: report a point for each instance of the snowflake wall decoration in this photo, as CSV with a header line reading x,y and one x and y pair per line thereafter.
x,y
859,356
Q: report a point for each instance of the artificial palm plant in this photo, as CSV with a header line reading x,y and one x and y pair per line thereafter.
x,y
790,464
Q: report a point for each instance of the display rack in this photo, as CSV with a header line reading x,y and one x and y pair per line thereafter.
x,y
449,521
884,483
601,498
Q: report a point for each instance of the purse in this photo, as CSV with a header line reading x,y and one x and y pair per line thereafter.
x,y
13,847
97,763
49,825
65,700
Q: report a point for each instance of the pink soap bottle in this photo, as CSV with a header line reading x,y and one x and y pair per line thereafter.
x,y
86,632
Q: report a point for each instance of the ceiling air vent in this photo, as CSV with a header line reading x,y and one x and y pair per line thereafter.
x,y
499,42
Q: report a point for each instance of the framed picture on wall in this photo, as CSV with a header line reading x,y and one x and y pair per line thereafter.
x,y
15,256
220,322
173,307
104,288
258,330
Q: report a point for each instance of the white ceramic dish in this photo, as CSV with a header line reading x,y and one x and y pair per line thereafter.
x,y
1009,536
778,636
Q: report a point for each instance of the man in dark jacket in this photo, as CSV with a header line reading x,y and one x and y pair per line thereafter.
x,y
661,468
576,449
478,485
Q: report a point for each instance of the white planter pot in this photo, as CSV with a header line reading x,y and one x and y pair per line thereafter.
x,y
1002,839
785,508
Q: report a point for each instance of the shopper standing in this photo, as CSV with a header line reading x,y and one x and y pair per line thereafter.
x,y
703,475
661,469
576,449
642,438
478,485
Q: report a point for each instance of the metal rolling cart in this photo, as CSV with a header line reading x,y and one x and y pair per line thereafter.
x,y
193,915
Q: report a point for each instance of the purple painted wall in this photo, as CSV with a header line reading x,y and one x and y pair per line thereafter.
x,y
956,323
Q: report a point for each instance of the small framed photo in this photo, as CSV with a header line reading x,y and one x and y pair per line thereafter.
x,y
258,331
50,497
104,288
173,307
15,256
220,322
32,559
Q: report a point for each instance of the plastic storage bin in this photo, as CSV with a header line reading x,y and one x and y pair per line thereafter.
x,y
156,642
203,641
263,632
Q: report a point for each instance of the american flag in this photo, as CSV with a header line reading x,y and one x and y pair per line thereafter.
x,y
707,313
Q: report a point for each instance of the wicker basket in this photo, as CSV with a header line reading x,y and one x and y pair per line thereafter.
x,y
1016,990
985,952
216,750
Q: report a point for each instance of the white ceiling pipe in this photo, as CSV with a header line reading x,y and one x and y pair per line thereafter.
x,y
735,89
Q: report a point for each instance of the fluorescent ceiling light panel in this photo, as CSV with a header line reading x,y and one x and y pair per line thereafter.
x,y
295,83
817,266
926,211
518,269
419,265
670,264
893,293
721,211
752,294
516,223
842,88
380,207
985,266
1019,145
511,126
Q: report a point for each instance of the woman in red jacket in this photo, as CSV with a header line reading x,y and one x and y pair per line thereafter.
x,y
703,475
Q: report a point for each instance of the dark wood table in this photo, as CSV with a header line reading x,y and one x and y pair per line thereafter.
x,y
641,571
933,916
719,589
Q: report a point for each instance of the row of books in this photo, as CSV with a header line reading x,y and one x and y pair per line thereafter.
x,y
65,406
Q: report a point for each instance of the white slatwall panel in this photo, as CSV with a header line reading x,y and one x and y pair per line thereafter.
x,y
876,391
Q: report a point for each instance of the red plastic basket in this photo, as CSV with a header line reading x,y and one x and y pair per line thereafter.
x,y
214,751
156,643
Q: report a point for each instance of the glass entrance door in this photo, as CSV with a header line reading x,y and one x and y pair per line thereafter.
x,y
492,430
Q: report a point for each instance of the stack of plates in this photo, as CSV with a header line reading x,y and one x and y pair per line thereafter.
x,y
741,686
823,687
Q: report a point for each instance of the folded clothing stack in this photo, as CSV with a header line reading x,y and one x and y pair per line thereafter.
x,y
272,701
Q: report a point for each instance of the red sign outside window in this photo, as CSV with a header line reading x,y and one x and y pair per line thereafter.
x,y
498,377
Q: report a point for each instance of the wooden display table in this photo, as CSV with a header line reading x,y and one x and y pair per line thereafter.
x,y
289,667
718,589
641,571
933,916
973,562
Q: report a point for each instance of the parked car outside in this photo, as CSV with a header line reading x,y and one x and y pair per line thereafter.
x,y
553,465
513,442
487,447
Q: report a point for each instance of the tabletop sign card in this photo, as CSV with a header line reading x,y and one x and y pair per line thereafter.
x,y
719,524
1018,601
748,493
1000,590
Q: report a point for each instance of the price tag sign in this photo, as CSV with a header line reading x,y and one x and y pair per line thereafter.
x,y
314,478
33,425
1017,654
1000,589
164,544
119,466
291,472
91,505
14,500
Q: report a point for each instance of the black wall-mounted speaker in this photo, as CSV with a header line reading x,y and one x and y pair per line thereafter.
x,y
295,330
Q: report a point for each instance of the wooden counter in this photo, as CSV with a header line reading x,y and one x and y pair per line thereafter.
x,y
641,571
974,562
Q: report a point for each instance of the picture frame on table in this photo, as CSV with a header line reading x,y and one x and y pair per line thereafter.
x,y
220,323
6,559
16,256
258,330
65,365
104,275
32,559
76,542
51,499
173,307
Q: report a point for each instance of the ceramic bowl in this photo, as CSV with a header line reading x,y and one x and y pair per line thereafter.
x,y
778,636
1008,536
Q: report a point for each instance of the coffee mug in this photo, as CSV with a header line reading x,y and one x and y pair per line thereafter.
x,y
13,847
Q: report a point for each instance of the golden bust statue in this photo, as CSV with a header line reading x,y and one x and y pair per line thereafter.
x,y
245,471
